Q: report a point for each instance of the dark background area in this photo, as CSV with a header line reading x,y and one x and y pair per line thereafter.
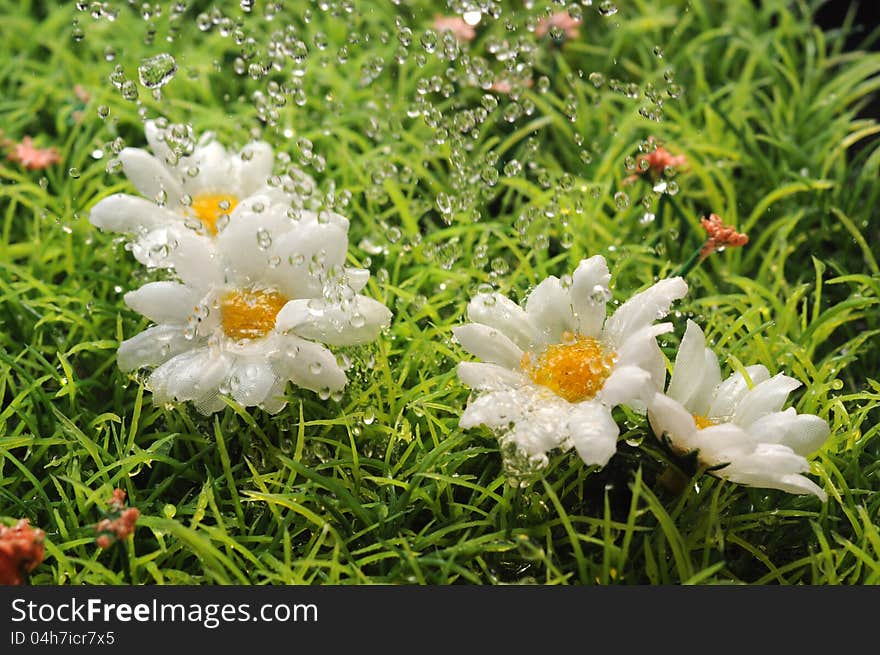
x,y
864,35
832,15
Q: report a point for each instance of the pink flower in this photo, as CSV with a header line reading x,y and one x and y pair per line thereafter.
x,y
33,158
561,20
720,236
659,160
457,25
120,521
21,551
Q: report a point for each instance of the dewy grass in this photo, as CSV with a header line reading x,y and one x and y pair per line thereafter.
x,y
451,189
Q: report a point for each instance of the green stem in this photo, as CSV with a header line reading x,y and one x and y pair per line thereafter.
x,y
690,263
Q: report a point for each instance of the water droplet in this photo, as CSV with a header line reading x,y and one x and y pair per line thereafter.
x,y
156,72
607,8
129,90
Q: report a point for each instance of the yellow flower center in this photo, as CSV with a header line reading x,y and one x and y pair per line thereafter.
x,y
702,421
575,369
250,314
210,207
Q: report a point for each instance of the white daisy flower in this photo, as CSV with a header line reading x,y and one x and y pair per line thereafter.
x,y
738,429
553,371
200,192
252,310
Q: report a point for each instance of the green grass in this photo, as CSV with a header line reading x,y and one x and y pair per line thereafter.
x,y
382,486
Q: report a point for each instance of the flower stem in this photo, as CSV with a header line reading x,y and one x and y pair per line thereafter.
x,y
690,263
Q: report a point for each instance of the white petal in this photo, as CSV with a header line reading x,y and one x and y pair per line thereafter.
x,y
152,347
723,443
593,432
153,249
644,308
130,214
500,312
589,294
210,403
730,392
163,302
156,139
627,385
149,176
246,243
254,167
549,308
195,260
667,416
772,466
357,278
307,253
309,365
353,323
494,409
216,172
807,434
534,434
638,348
803,433
275,399
305,217
488,377
687,372
767,397
250,380
489,345
195,375
701,398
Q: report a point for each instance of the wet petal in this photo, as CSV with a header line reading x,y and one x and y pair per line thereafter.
x,y
195,375
593,432
589,295
489,344
357,322
149,176
306,254
195,260
500,312
163,302
309,365
254,166
767,397
627,385
250,380
549,308
667,416
644,308
803,433
731,391
688,371
488,377
130,214
152,347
